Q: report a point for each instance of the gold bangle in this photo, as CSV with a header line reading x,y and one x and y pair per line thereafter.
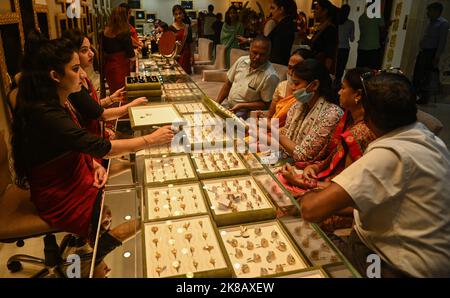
x,y
147,144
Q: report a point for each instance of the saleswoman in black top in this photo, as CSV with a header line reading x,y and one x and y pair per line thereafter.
x,y
86,101
53,154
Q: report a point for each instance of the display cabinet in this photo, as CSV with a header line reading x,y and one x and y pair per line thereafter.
x,y
186,247
174,200
261,249
215,212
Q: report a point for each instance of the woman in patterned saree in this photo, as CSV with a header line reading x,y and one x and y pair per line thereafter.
x,y
350,139
311,121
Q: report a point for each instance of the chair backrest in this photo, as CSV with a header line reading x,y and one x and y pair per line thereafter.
x,y
219,63
235,54
18,215
281,71
432,123
205,48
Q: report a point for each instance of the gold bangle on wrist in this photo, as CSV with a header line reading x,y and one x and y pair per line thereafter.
x,y
147,144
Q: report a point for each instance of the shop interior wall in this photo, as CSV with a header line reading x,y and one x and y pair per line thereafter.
x,y
163,8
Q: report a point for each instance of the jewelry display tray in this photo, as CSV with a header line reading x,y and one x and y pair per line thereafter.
x,y
180,169
181,244
271,263
173,201
238,211
314,247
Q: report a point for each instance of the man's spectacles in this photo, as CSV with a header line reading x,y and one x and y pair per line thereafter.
x,y
365,76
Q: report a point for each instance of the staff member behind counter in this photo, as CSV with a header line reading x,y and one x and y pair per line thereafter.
x,y
251,81
86,101
53,156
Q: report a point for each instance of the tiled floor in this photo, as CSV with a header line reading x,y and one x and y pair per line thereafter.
x,y
33,247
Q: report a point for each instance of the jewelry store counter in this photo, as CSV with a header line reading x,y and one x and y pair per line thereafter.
x,y
209,212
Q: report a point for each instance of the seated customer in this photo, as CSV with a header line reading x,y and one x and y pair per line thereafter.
x,y
399,189
283,99
251,81
349,141
311,121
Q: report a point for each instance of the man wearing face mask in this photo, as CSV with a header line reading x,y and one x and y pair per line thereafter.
x,y
251,81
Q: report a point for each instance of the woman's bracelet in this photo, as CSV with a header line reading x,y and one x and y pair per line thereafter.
x,y
147,144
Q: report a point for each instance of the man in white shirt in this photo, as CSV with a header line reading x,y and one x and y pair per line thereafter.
x,y
399,189
251,81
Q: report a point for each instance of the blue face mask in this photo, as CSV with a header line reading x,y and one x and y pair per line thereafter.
x,y
303,96
289,79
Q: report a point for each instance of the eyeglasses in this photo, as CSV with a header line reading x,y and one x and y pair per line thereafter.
x,y
365,76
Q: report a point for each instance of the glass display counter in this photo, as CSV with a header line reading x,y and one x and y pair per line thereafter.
x,y
208,213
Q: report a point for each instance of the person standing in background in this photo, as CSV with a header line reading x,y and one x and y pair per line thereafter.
x,y
282,32
201,24
133,33
230,32
369,47
301,37
209,20
325,40
118,49
183,34
432,46
346,31
217,27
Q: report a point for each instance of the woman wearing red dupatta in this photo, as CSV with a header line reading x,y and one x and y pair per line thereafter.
x,y
183,33
53,155
350,139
